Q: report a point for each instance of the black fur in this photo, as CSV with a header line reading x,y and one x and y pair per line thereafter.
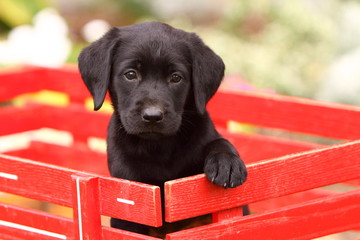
x,y
159,79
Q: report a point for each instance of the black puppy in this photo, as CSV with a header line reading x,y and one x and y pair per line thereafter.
x,y
159,79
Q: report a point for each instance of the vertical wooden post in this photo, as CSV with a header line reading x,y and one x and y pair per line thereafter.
x,y
86,207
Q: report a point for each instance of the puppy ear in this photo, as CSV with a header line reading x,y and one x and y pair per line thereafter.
x,y
95,65
207,73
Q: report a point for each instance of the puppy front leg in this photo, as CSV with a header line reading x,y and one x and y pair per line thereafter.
x,y
223,166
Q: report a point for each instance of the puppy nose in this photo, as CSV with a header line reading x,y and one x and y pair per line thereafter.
x,y
152,115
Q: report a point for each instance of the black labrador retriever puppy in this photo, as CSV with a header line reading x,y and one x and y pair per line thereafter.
x,y
159,79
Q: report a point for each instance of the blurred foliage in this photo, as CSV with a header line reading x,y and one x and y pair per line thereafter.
x,y
281,45
134,9
273,44
14,13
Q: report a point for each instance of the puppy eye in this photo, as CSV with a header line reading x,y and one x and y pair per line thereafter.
x,y
131,75
175,78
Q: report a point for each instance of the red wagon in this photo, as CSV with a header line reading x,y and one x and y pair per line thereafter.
x,y
284,188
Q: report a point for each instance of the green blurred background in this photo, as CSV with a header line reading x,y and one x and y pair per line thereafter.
x,y
307,48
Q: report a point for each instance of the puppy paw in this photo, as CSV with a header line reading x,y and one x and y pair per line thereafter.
x,y
225,169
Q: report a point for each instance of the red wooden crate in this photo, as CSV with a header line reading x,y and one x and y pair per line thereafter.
x,y
283,187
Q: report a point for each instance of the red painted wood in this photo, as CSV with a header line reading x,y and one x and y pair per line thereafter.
x,y
264,109
26,233
304,221
51,223
15,120
36,180
86,205
184,197
354,182
254,147
227,214
131,201
290,113
77,157
28,78
74,118
67,80
34,79
35,219
296,198
267,179
54,184
113,233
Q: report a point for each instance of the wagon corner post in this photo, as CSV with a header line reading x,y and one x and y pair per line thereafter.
x,y
86,207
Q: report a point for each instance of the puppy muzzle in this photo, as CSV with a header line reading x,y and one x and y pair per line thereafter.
x,y
152,115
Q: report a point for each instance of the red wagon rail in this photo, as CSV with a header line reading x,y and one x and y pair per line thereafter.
x,y
283,188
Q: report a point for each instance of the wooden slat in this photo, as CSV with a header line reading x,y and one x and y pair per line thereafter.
x,y
329,120
80,122
267,179
86,211
67,80
34,79
74,118
22,223
131,201
33,224
305,221
14,120
254,147
354,182
54,184
296,198
324,119
289,113
140,202
36,180
86,159
113,233
28,78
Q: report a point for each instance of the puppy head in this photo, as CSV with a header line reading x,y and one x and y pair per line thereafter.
x,y
151,70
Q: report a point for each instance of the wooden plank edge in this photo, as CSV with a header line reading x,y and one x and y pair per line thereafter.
x,y
15,219
282,112
261,183
302,221
106,195
292,199
118,234
144,201
289,99
271,147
